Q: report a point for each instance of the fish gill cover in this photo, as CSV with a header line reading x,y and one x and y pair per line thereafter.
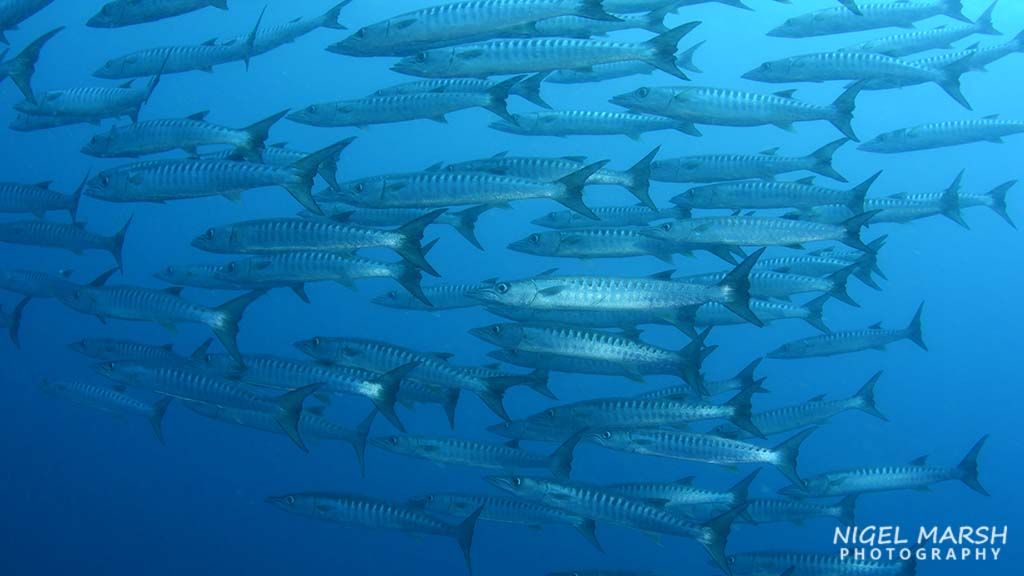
x,y
533,281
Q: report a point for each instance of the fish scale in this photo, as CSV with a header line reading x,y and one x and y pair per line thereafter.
x,y
278,235
183,384
871,15
105,349
811,564
548,169
35,199
761,510
119,13
72,237
588,122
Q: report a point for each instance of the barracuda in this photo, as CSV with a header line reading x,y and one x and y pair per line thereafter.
x,y
184,384
205,276
114,350
764,511
704,448
91,102
441,297
581,27
743,380
162,180
592,352
715,314
286,374
766,165
626,301
874,337
766,284
907,43
602,72
311,424
109,400
282,235
532,55
816,411
154,136
37,284
527,88
755,231
463,221
825,265
506,511
72,237
280,155
682,497
14,12
600,505
38,199
871,16
119,13
388,109
164,307
862,66
22,67
31,123
457,451
610,216
563,123
811,564
362,512
723,107
917,475
458,23
942,134
767,195
636,179
381,356
270,37
295,269
589,243
433,189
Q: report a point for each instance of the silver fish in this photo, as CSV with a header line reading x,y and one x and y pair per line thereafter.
x,y
37,284
462,452
268,38
563,123
812,564
441,297
767,195
38,199
767,164
763,511
602,72
589,243
72,237
912,42
743,380
119,13
755,231
109,400
115,350
870,16
715,314
942,134
682,497
91,102
527,88
874,337
780,285
278,154
14,12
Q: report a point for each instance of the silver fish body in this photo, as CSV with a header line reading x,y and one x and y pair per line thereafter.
x,y
120,13
109,400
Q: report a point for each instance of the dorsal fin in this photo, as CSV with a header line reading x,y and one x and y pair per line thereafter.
x,y
919,461
199,354
280,145
500,155
315,410
168,347
210,42
44,184
198,115
991,117
786,93
808,181
127,84
875,326
686,480
770,151
446,356
666,275
513,443
548,272
817,398
102,278
173,290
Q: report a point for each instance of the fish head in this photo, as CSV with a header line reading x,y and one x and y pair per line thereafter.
x,y
394,299
241,271
444,503
100,144
324,350
889,141
555,219
670,230
397,444
123,372
522,125
47,386
120,67
217,239
793,349
512,429
772,71
305,504
752,563
81,299
686,199
806,487
109,16
372,40
321,113
431,63
646,99
26,107
178,275
798,26
552,416
498,293
503,335
608,438
522,486
538,243
367,191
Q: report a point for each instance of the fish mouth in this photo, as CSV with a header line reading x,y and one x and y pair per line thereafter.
x,y
484,334
481,295
620,100
519,246
300,116
503,126
383,442
791,490
501,482
870,146
342,48
275,500
751,75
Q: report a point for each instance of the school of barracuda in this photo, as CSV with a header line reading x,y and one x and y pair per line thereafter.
x,y
480,54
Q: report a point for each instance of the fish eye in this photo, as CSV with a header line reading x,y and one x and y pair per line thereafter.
x,y
550,413
805,483
290,499
732,560
535,238
667,226
94,139
360,187
393,295
430,498
110,366
210,233
503,288
506,426
104,179
316,341
393,440
496,329
231,267
766,66
421,57
78,294
361,33
642,92
170,269
606,435
313,108
517,481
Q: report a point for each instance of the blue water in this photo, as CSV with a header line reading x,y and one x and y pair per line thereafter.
x,y
82,492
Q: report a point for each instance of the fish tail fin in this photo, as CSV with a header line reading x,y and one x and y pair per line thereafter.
x,y
529,88
463,534
116,247
739,4
560,462
226,328
875,246
654,21
693,355
290,405
410,277
853,227
746,376
847,507
786,455
411,235
844,106
330,18
536,381
737,285
663,49
256,137
851,5
465,223
984,22
221,4
840,278
685,59
588,529
304,171
594,10
151,86
822,158
815,313
742,411
859,192
865,268
998,205
1019,41
493,395
21,74
498,103
76,198
968,468
640,179
955,9
450,404
741,490
572,195
913,330
717,536
14,329
156,417
950,80
250,40
362,431
865,397
949,203
390,382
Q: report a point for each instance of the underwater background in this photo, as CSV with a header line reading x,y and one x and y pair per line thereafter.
x,y
82,492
